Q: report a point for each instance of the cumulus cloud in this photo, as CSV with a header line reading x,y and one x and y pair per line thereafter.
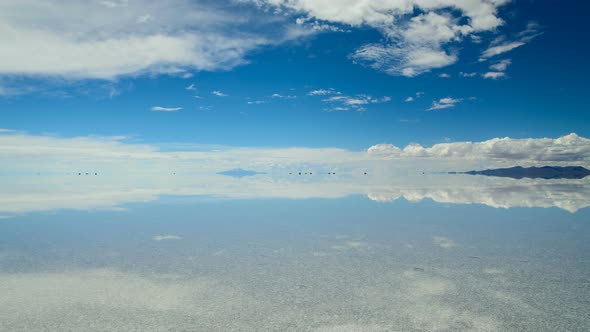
x,y
570,148
416,32
443,103
59,38
88,39
141,173
409,99
407,61
165,109
494,75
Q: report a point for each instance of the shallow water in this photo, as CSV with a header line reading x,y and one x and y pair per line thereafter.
x,y
206,252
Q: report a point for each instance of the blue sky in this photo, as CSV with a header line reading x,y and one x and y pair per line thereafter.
x,y
243,73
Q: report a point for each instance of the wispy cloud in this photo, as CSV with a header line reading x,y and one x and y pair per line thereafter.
x,y
356,103
498,70
418,94
501,65
165,109
444,75
472,74
323,92
14,90
191,87
280,96
500,49
501,45
218,93
443,103
494,75
141,37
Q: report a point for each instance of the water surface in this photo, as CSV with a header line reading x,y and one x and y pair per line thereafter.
x,y
349,252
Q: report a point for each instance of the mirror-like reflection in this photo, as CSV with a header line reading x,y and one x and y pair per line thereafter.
x,y
100,235
45,193
269,264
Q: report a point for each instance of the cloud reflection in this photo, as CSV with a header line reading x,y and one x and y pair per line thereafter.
x,y
45,193
44,173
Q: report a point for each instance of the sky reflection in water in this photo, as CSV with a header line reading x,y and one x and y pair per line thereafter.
x,y
279,252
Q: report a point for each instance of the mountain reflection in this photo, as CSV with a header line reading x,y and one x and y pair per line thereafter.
x,y
22,194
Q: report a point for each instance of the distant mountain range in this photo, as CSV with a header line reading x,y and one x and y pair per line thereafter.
x,y
545,172
239,173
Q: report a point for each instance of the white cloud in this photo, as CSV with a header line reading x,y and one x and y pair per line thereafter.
x,y
443,103
501,65
500,46
407,61
500,49
60,38
499,69
165,109
339,108
191,87
219,94
468,74
413,45
354,102
570,148
256,102
494,75
14,90
280,96
166,237
141,173
409,99
444,75
323,92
